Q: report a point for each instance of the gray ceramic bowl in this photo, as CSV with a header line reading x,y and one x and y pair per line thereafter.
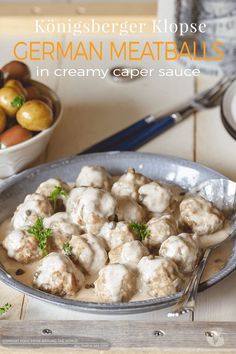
x,y
182,172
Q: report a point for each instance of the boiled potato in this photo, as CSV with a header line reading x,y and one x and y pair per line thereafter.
x,y
16,70
3,120
8,95
14,135
17,86
35,115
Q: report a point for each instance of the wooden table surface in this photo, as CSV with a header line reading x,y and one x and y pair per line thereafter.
x,y
95,108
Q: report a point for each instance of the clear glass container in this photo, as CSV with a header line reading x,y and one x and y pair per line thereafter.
x,y
220,19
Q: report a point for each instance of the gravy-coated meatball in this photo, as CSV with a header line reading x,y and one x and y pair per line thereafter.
x,y
34,207
183,250
74,198
62,229
91,208
154,197
116,234
21,246
128,185
47,187
160,229
89,252
160,276
94,176
56,274
129,210
116,283
129,253
200,216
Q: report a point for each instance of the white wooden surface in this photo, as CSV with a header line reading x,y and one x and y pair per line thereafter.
x,y
94,109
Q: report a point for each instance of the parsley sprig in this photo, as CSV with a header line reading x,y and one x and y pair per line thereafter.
x,y
141,230
18,102
56,194
5,308
41,234
67,248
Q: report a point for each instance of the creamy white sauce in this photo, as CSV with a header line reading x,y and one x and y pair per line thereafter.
x,y
216,237
216,262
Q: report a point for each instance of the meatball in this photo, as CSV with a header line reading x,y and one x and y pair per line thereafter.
x,y
116,283
34,207
160,229
129,210
56,274
183,250
154,197
116,234
21,246
160,276
200,216
47,187
128,185
129,253
74,198
62,229
94,176
91,208
89,252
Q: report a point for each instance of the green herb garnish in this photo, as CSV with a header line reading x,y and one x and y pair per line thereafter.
x,y
5,308
41,234
56,194
141,230
18,102
67,248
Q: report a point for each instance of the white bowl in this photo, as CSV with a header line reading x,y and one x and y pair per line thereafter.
x,y
15,158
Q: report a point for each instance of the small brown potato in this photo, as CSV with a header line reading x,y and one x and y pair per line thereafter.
x,y
7,96
3,120
16,70
32,93
17,85
46,100
35,115
13,136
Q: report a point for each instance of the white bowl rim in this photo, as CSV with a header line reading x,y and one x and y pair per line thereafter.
x,y
42,133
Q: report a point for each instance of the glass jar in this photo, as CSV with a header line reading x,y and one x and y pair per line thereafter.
x,y
220,19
